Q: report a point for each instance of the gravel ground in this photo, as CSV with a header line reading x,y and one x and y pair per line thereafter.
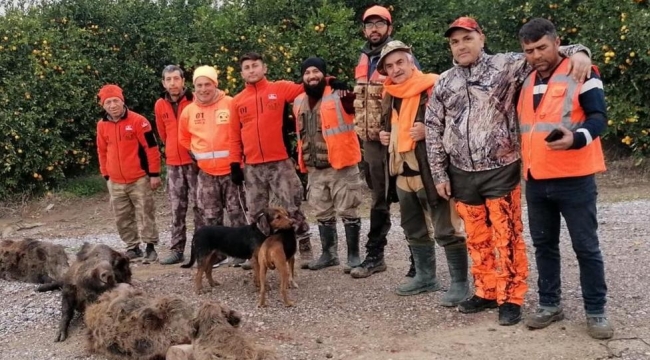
x,y
337,317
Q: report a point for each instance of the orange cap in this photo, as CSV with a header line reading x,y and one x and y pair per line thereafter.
x,y
377,10
464,22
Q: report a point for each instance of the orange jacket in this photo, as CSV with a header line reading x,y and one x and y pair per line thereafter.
x,y
361,71
338,131
256,122
205,131
560,105
127,148
167,125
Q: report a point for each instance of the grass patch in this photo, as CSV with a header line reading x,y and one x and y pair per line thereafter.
x,y
84,186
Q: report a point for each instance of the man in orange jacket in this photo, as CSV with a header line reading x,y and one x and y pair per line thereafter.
x,y
257,138
559,174
181,169
129,160
329,152
204,129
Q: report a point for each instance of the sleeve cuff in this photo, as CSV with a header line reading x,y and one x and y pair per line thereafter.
x,y
581,138
154,174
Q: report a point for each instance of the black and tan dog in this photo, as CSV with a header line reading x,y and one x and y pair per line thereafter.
x,y
277,252
212,244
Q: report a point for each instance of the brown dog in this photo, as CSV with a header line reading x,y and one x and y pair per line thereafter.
x,y
215,336
277,252
212,244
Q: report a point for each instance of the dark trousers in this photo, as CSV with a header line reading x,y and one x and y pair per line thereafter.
x,y
375,155
575,200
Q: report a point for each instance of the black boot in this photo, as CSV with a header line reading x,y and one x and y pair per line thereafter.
x,y
352,229
329,240
411,272
374,261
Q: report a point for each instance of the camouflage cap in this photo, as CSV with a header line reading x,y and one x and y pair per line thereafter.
x,y
394,45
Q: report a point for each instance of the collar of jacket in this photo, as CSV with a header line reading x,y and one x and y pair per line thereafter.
x,y
106,117
258,85
187,94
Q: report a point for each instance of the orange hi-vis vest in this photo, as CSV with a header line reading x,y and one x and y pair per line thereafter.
x,y
205,131
559,106
361,71
337,128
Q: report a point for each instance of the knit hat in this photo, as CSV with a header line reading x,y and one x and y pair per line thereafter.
x,y
392,46
207,71
316,62
109,91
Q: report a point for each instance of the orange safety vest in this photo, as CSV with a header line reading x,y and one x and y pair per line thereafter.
x,y
361,71
559,105
338,131
208,131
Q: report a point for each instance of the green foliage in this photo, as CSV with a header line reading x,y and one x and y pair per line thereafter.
x,y
83,186
55,56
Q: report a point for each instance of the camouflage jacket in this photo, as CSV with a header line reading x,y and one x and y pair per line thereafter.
x,y
471,118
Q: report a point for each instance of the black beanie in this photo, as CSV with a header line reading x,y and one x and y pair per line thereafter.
x,y
316,62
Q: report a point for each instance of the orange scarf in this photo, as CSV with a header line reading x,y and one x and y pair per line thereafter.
x,y
410,92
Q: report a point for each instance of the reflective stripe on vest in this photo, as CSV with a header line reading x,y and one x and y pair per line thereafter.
x,y
212,155
343,127
559,105
567,107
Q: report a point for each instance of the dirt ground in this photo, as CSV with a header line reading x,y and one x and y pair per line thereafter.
x,y
343,318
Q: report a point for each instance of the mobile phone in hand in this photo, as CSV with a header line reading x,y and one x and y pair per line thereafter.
x,y
554,135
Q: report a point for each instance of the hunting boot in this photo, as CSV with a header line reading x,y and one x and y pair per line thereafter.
x,y
304,249
374,261
411,272
425,273
352,229
457,261
329,240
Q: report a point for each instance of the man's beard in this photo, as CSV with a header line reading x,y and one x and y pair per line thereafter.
x,y
315,91
380,41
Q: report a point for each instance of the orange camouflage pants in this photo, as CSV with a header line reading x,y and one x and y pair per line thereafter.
x,y
496,225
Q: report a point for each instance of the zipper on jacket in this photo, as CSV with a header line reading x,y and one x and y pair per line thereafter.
x,y
469,111
119,141
178,151
257,123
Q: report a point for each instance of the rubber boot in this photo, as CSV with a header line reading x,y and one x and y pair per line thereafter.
x,y
411,272
425,277
329,240
459,288
352,229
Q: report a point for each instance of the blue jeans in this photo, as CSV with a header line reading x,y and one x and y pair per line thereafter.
x,y
574,199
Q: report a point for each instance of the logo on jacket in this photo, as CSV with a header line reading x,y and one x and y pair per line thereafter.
x,y
128,135
273,96
223,116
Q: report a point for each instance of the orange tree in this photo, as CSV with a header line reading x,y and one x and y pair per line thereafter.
x,y
54,58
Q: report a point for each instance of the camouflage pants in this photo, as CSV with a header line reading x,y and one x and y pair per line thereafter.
x,y
133,204
214,193
181,188
279,179
334,192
